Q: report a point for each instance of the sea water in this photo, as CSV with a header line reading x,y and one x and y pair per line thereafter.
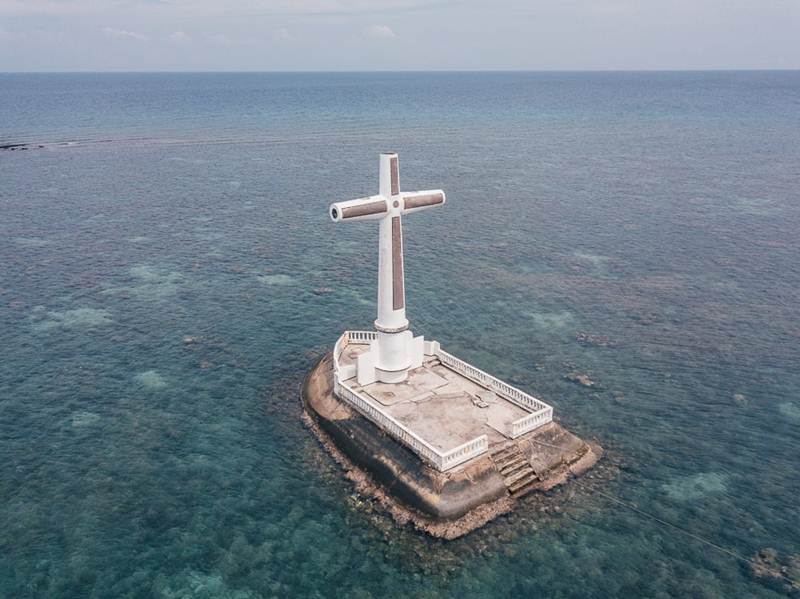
x,y
169,273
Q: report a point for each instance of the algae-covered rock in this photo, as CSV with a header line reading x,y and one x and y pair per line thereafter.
x,y
581,379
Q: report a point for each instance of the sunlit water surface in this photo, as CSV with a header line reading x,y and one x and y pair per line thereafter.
x,y
168,274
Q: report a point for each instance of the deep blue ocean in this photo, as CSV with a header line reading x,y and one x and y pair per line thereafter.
x,y
169,273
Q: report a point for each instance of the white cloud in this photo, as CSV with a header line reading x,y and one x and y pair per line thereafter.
x,y
281,35
123,34
180,37
220,39
333,34
381,32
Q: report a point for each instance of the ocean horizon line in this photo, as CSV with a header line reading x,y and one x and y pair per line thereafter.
x,y
395,71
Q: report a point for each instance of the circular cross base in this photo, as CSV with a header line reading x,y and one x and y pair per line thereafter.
x,y
391,376
382,329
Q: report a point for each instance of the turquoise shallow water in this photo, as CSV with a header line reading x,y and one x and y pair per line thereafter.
x,y
168,274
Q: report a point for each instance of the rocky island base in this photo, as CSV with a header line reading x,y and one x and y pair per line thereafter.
x,y
443,504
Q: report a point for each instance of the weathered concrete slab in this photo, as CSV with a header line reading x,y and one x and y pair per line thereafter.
x,y
421,381
444,423
441,405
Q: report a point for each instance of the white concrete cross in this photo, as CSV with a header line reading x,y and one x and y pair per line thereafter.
x,y
396,350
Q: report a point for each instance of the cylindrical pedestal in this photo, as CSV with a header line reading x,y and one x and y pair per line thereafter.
x,y
393,357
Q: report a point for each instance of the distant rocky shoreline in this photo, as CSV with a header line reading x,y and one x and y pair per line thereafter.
x,y
14,147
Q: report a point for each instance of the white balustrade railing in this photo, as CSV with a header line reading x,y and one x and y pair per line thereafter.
x,y
515,395
541,413
390,425
362,336
341,342
530,422
465,452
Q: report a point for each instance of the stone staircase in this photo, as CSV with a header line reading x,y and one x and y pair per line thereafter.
x,y
515,468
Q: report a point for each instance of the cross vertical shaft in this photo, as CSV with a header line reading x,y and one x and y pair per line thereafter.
x,y
395,350
391,284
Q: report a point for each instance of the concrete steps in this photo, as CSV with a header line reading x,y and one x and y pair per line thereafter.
x,y
516,470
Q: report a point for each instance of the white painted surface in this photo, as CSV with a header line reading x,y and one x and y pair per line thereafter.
x,y
396,350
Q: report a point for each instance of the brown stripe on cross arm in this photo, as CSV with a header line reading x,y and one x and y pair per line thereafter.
x,y
364,209
395,173
398,294
429,199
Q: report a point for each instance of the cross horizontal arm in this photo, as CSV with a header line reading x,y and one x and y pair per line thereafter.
x,y
371,208
414,201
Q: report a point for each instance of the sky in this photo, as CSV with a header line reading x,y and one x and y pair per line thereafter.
x,y
345,35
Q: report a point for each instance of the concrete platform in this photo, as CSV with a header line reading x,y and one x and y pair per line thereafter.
x,y
444,504
441,405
